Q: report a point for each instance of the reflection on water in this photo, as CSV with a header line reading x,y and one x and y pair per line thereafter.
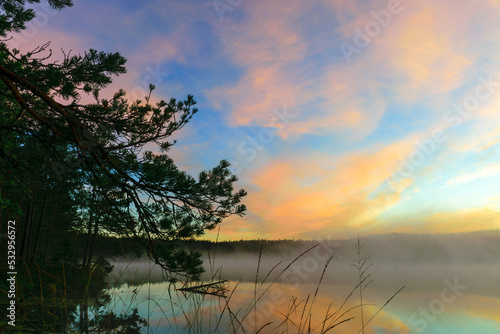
x,y
437,298
66,299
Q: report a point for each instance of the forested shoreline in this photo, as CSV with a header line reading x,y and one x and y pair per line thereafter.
x,y
417,247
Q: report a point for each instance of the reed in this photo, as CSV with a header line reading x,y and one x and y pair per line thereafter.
x,y
70,299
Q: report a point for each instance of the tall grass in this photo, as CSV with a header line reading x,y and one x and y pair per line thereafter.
x,y
204,312
209,307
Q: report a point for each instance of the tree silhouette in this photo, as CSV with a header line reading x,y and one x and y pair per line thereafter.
x,y
140,192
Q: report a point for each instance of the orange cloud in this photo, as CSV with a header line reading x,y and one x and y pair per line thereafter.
x,y
456,221
427,54
320,193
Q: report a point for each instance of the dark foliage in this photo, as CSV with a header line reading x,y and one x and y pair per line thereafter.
x,y
68,166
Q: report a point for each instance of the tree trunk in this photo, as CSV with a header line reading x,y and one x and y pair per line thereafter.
x,y
85,259
3,241
37,237
91,250
84,316
27,226
46,250
32,216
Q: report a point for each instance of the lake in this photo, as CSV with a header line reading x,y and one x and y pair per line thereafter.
x,y
455,295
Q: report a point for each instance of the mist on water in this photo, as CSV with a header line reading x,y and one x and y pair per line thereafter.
x,y
420,262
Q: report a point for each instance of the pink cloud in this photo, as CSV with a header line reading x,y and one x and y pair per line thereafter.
x,y
418,56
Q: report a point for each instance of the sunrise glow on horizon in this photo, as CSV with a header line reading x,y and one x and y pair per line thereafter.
x,y
340,118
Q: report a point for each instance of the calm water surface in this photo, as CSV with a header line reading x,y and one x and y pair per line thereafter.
x,y
438,298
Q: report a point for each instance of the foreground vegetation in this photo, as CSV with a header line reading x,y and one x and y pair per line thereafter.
x,y
71,299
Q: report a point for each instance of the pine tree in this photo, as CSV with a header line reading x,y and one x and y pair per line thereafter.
x,y
143,193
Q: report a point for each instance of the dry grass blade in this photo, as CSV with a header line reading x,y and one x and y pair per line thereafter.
x,y
380,309
318,285
269,273
291,309
278,276
345,301
326,317
335,325
226,305
303,311
255,286
263,327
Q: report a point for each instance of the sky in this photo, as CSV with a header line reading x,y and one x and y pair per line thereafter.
x,y
341,118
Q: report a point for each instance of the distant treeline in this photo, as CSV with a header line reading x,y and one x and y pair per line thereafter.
x,y
108,246
471,247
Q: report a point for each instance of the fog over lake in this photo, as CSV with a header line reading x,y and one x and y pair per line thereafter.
x,y
450,284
